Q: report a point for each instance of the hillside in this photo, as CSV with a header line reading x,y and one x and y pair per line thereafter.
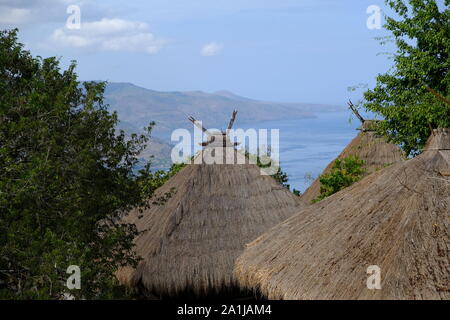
x,y
138,106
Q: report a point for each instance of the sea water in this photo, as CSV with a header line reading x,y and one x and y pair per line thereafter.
x,y
308,145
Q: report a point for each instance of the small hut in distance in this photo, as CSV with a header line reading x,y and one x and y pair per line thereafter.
x,y
373,149
190,243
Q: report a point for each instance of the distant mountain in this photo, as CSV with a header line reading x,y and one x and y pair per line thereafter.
x,y
138,106
231,95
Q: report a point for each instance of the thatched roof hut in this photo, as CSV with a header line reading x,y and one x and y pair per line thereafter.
x,y
396,218
190,243
376,152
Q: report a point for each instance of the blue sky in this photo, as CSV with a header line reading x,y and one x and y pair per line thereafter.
x,y
276,50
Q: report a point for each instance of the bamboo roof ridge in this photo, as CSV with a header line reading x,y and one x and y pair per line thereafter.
x,y
376,152
191,241
396,218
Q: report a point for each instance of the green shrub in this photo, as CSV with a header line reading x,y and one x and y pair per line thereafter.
x,y
343,174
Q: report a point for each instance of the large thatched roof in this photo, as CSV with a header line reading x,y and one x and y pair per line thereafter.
x,y
376,152
396,218
191,242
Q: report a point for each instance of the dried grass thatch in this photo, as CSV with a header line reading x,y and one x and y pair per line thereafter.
x,y
191,242
368,146
396,218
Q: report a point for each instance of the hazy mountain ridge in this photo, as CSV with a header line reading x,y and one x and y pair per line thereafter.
x,y
138,106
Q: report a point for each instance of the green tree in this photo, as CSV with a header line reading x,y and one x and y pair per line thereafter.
x,y
411,96
344,173
66,178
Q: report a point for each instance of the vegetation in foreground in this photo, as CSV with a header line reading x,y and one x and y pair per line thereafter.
x,y
66,177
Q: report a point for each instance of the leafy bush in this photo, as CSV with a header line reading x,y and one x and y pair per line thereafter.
x,y
344,173
66,179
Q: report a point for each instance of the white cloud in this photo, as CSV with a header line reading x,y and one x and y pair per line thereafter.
x,y
13,15
110,35
48,13
211,49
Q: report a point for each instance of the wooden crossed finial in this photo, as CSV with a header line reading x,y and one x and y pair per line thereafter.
x,y
198,125
212,137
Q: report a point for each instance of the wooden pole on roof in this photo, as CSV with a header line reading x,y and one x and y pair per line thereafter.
x,y
233,117
350,104
437,95
198,125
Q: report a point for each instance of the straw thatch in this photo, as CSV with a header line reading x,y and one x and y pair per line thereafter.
x,y
190,243
376,152
396,218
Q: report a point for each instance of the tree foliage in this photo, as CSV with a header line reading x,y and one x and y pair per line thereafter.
x,y
344,173
410,96
66,178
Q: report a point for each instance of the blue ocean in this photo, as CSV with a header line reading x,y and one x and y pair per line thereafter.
x,y
308,145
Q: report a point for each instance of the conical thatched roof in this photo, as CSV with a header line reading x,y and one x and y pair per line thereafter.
x,y
190,243
396,218
376,152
